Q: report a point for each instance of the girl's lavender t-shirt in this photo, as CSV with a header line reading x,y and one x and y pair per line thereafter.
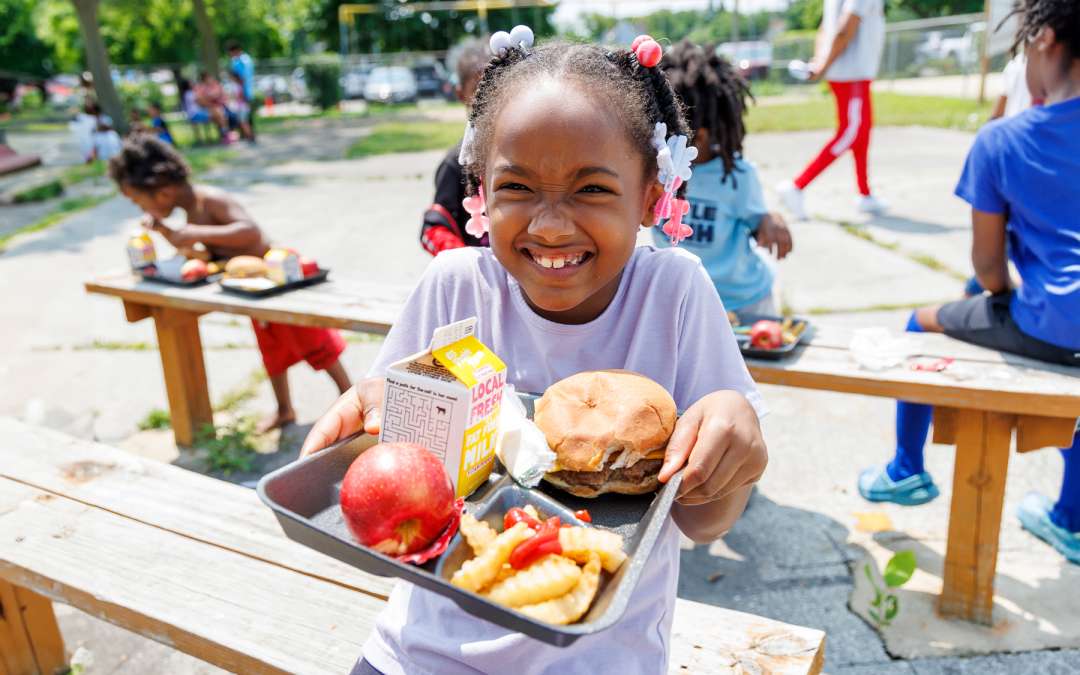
x,y
666,322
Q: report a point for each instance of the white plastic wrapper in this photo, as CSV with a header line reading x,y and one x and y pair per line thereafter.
x,y
522,447
878,349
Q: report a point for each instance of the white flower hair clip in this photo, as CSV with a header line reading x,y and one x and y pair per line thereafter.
x,y
501,42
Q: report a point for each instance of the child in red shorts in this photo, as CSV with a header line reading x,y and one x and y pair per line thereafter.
x,y
155,177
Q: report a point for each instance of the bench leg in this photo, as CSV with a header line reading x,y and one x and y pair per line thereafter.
x,y
982,460
185,373
30,642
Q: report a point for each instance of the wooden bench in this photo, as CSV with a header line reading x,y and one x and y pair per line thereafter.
x,y
348,305
201,565
10,161
979,401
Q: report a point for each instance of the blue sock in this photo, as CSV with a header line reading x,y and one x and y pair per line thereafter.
x,y
912,425
1066,512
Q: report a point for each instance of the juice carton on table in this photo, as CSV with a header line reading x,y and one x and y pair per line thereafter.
x,y
140,250
447,399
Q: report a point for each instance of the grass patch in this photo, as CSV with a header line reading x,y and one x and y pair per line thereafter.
x,y
202,160
391,137
924,259
115,346
155,419
65,208
39,193
862,233
242,394
230,448
80,172
889,110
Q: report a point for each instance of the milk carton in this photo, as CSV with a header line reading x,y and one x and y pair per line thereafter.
x,y
446,399
283,266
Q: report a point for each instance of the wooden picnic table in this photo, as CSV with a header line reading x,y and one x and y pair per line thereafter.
x,y
979,399
202,566
345,304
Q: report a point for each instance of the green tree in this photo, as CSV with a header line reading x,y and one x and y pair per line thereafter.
x,y
930,8
98,62
21,50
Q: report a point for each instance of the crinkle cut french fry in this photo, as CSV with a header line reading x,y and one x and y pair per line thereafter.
x,y
505,573
477,573
478,534
547,578
578,542
572,606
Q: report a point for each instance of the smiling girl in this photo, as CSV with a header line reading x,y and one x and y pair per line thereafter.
x,y
566,151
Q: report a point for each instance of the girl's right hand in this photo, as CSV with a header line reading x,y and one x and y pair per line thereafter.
x,y
358,408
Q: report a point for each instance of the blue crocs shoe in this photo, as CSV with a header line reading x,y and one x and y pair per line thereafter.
x,y
876,486
1034,514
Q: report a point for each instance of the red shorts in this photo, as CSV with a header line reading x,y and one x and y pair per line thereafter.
x,y
283,346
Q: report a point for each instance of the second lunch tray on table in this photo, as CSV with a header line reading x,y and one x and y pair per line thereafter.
x,y
305,498
145,276
316,278
748,319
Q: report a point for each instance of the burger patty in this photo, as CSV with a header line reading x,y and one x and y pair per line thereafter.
x,y
635,473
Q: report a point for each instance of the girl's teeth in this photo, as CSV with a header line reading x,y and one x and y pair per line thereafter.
x,y
558,263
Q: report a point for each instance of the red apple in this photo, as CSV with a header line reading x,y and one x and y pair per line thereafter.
x,y
397,499
308,267
193,270
766,334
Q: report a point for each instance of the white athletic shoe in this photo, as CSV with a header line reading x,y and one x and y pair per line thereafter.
x,y
873,205
792,199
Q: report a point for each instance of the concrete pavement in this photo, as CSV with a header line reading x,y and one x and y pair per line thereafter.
x,y
71,362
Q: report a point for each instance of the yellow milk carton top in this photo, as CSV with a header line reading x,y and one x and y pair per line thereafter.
x,y
447,400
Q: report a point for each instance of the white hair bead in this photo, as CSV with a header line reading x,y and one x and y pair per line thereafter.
x,y
500,42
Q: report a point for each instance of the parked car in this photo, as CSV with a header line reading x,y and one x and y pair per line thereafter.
x,y
353,81
960,50
432,80
391,84
752,59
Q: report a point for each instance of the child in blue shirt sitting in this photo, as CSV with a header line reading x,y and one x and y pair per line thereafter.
x,y
727,207
1021,179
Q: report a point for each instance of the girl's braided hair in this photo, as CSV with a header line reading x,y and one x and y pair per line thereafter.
x,y
715,96
639,97
1061,15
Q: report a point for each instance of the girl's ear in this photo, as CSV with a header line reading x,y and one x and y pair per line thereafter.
x,y
652,195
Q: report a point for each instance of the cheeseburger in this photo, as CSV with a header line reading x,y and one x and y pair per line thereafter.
x,y
609,430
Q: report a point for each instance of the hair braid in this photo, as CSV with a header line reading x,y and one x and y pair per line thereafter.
x,y
1061,15
715,96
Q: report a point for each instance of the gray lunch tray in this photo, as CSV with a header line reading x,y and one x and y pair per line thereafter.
x,y
305,498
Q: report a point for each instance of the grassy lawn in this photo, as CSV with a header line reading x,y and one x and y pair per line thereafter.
x,y
63,210
406,137
889,110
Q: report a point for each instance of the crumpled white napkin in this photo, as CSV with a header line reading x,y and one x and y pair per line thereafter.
x,y
521,447
878,349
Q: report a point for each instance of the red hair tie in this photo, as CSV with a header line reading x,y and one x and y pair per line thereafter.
x,y
647,51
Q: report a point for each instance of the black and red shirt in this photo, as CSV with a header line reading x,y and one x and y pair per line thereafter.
x,y
444,220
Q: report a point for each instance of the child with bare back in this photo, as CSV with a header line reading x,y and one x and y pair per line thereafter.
x,y
155,177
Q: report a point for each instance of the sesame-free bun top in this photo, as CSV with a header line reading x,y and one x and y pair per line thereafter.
x,y
592,415
245,267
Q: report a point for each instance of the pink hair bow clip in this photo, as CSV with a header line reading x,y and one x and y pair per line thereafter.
x,y
478,223
675,229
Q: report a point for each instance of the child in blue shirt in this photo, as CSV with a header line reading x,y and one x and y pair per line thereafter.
x,y
1021,179
727,207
